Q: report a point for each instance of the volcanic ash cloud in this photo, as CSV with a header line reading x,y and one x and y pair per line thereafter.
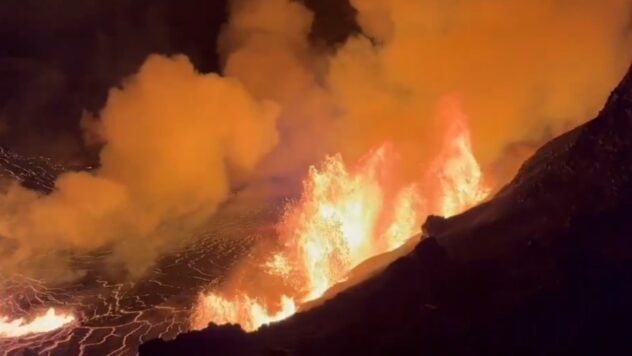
x,y
173,140
523,69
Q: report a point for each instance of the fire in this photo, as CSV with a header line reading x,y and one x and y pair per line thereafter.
x,y
46,322
460,177
345,216
249,312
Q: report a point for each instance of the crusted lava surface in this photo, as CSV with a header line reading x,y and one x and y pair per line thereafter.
x,y
115,315
545,267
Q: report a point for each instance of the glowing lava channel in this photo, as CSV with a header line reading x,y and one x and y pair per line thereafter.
x,y
344,217
48,321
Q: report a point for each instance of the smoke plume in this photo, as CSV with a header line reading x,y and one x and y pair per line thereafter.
x,y
521,68
265,45
176,140
172,137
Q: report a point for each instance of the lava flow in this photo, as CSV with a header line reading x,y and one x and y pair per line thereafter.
x,y
46,322
345,216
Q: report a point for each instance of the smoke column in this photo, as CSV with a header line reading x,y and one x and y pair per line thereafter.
x,y
172,138
176,140
524,69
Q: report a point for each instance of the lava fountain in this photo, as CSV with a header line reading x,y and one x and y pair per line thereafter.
x,y
345,216
47,321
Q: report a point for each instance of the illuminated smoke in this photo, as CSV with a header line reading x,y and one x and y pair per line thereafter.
x,y
522,68
345,216
173,137
265,46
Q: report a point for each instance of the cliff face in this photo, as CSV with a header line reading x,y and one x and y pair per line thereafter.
x,y
543,268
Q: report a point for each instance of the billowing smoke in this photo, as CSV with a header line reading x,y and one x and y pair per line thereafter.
x,y
266,46
176,140
172,138
523,69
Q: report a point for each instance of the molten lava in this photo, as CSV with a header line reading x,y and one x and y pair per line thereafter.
x,y
46,322
249,312
345,216
460,179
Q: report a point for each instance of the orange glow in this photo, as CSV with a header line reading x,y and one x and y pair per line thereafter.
x,y
250,313
345,216
45,322
460,177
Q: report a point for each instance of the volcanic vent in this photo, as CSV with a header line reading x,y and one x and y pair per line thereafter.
x,y
345,216
543,267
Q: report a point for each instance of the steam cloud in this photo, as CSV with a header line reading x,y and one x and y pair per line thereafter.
x,y
176,139
172,136
522,68
524,71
